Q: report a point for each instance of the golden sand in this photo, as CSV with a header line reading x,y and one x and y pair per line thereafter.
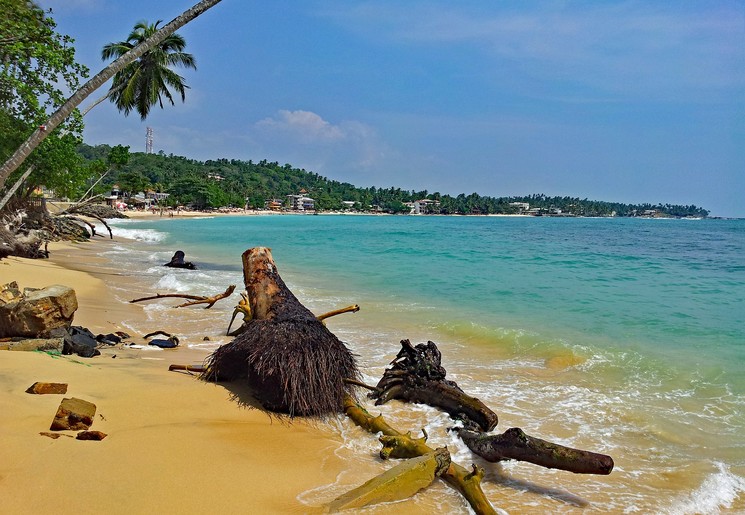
x,y
174,444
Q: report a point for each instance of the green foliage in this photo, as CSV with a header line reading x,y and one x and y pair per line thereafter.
x,y
37,72
146,81
224,182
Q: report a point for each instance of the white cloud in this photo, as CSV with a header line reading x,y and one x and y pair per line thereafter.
x,y
307,126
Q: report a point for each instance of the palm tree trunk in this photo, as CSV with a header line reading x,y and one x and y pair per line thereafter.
x,y
107,95
15,187
20,155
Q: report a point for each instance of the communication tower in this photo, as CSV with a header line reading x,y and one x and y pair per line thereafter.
x,y
149,141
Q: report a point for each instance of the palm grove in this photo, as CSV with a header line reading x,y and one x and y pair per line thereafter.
x,y
37,65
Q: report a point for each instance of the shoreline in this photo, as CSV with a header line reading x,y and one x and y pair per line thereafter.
x,y
175,422
173,442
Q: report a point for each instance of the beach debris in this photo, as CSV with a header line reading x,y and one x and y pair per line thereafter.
x,y
41,388
97,211
514,444
177,261
170,342
80,341
397,483
194,299
111,338
188,368
91,435
73,414
416,375
294,364
401,445
32,344
243,307
17,238
37,313
53,436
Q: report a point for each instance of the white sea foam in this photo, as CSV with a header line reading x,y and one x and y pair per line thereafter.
x,y
718,491
143,235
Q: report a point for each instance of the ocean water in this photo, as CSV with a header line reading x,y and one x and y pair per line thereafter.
x,y
621,336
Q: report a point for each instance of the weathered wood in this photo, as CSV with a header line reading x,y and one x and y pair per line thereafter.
x,y
416,375
354,308
194,299
401,445
294,364
514,444
397,483
188,368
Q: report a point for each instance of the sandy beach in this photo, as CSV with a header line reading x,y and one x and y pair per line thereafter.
x,y
174,443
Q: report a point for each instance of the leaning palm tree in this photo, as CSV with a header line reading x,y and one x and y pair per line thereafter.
x,y
146,81
33,141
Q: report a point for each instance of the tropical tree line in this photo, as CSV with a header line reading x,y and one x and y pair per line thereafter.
x,y
229,182
38,69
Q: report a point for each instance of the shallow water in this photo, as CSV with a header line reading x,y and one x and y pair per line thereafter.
x,y
619,336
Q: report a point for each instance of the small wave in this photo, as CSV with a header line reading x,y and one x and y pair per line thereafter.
x,y
144,235
719,490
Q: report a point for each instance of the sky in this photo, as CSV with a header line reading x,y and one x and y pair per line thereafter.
x,y
622,101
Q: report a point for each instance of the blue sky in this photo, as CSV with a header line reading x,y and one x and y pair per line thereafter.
x,y
629,101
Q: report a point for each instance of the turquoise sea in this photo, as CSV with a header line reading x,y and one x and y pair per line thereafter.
x,y
622,336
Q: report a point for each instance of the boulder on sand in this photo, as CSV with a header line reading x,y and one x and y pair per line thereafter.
x,y
37,313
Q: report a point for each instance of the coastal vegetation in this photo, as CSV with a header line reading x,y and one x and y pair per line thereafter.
x,y
220,183
24,18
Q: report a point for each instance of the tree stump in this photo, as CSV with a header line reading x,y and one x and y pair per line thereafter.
x,y
293,363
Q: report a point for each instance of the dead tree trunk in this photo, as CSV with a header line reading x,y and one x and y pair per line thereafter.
x,y
402,445
416,375
514,444
294,364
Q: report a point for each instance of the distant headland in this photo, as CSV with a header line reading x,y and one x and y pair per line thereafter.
x,y
172,181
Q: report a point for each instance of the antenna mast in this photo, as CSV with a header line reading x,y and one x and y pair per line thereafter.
x,y
149,141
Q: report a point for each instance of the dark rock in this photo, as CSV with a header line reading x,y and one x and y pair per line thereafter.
x,y
80,341
38,313
109,339
170,343
73,415
91,435
177,261
40,388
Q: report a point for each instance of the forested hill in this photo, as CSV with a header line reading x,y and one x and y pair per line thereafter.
x,y
224,182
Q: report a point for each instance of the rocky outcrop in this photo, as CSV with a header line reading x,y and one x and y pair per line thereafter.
x,y
73,415
36,313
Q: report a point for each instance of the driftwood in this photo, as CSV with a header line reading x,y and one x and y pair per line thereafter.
x,y
294,364
195,299
514,444
397,483
416,375
400,445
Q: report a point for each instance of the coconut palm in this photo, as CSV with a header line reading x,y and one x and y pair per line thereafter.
x,y
146,81
33,141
